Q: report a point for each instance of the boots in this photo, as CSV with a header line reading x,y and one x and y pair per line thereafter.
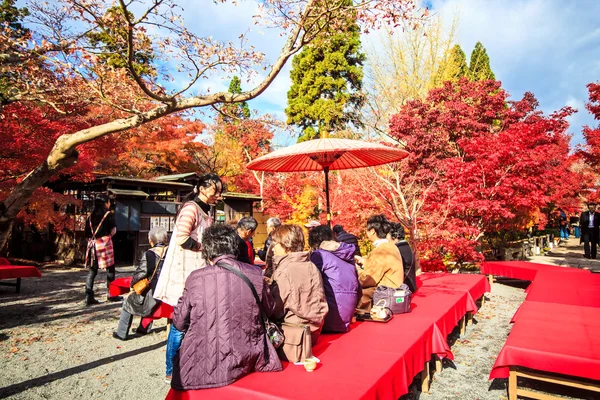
x,y
90,300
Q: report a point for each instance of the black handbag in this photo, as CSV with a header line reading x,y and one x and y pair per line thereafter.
x,y
272,331
398,300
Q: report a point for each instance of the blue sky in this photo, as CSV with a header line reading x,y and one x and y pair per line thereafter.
x,y
549,47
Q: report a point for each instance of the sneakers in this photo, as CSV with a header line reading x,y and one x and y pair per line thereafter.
x,y
114,298
168,379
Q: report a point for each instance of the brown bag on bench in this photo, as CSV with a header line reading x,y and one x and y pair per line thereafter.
x,y
297,345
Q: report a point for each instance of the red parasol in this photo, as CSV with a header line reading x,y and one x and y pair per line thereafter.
x,y
327,155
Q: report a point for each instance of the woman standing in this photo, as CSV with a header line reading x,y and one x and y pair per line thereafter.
x,y
185,255
100,227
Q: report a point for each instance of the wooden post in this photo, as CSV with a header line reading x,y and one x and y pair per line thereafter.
x,y
425,378
482,301
491,279
438,364
512,384
462,326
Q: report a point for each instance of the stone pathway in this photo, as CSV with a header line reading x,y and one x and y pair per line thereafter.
x,y
569,253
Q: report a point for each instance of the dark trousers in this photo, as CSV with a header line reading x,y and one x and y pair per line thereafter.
x,y
590,239
89,282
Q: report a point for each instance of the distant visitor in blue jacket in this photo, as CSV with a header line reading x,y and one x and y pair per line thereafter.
x,y
340,281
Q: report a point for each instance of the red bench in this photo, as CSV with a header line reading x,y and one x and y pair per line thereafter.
x,y
17,272
121,286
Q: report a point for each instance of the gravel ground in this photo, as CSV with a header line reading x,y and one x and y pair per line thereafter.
x,y
53,347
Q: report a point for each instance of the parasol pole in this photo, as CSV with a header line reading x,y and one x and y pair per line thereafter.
x,y
326,170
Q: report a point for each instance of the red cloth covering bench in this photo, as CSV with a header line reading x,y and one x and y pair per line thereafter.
x,y
476,285
573,287
16,272
373,360
551,337
516,269
121,286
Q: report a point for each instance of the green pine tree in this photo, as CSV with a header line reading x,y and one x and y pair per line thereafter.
x,y
326,84
12,17
235,111
111,42
479,67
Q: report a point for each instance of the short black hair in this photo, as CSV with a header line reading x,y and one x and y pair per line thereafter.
x,y
247,223
396,231
219,240
591,204
338,228
318,235
380,224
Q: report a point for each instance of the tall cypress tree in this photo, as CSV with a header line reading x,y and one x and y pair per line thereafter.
x,y
479,67
326,84
453,68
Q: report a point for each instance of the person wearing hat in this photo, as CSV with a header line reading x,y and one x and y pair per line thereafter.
x,y
312,224
590,226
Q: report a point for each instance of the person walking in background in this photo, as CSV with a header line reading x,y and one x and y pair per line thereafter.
x,y
342,236
564,224
185,255
589,223
266,254
408,256
100,227
246,228
149,268
574,221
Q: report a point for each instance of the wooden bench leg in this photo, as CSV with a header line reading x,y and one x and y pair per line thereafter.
x,y
469,318
512,384
425,378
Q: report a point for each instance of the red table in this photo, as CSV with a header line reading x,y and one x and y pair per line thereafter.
x,y
516,269
17,272
550,337
121,286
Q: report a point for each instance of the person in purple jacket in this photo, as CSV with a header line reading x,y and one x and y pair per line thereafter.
x,y
340,282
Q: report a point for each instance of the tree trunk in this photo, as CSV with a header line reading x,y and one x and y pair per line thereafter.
x,y
58,159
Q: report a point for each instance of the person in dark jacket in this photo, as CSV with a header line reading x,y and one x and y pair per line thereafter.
x,y
266,254
335,261
397,237
100,227
342,236
246,228
224,337
149,267
589,222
